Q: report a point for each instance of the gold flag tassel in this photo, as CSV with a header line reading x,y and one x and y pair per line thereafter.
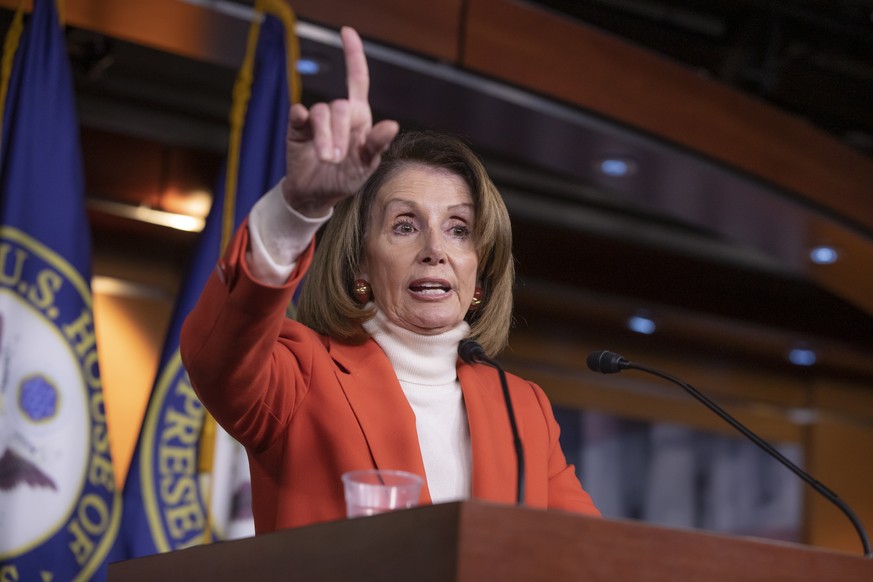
x,y
10,47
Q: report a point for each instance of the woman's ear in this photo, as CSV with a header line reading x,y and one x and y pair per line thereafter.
x,y
362,270
361,286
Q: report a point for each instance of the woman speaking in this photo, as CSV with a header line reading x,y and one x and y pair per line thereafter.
x,y
415,257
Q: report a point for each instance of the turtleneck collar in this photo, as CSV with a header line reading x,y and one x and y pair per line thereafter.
x,y
428,360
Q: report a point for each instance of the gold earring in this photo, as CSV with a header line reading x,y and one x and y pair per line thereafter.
x,y
363,293
477,298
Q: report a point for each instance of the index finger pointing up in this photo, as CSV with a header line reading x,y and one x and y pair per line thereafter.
x,y
357,74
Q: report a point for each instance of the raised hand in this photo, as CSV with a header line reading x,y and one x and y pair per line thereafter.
x,y
332,148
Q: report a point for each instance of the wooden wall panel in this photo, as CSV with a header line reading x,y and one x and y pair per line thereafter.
x,y
121,167
430,28
761,398
852,276
847,399
576,63
168,25
130,331
840,454
551,55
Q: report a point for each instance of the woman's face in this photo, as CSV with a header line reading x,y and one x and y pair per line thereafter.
x,y
419,254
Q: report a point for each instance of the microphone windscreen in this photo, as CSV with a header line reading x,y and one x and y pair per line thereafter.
x,y
606,362
470,351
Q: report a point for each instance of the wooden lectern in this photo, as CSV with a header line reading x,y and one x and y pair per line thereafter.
x,y
475,541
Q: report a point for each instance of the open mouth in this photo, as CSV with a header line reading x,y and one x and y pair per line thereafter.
x,y
430,288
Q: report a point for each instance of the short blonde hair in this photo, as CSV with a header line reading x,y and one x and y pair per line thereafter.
x,y
327,304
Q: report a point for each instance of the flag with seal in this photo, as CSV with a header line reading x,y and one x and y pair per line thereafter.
x,y
59,507
188,482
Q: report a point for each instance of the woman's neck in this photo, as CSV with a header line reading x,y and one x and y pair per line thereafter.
x,y
429,360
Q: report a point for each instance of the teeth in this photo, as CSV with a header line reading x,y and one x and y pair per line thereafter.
x,y
430,288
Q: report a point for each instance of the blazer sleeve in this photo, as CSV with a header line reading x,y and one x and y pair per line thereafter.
x,y
247,378
565,491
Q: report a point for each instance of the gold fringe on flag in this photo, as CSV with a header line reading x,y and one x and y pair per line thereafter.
x,y
10,47
242,93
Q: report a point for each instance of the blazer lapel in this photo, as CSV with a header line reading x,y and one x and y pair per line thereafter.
x,y
386,418
494,463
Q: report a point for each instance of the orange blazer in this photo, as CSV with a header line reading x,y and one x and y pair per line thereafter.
x,y
307,408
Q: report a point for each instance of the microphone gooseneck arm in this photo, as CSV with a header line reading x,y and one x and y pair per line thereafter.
x,y
610,363
471,352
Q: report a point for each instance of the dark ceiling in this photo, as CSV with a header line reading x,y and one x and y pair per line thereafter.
x,y
813,58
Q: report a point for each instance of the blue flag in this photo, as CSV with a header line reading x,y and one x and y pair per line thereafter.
x,y
166,502
59,508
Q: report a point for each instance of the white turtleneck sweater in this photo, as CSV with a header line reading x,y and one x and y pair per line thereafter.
x,y
426,368
425,365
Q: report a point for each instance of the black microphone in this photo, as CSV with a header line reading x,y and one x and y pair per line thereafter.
x,y
607,362
472,353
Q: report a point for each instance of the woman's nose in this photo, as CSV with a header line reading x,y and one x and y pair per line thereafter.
x,y
433,249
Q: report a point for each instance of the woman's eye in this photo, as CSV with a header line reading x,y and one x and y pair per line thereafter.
x,y
460,231
403,228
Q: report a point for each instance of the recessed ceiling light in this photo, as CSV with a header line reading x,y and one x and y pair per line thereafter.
x,y
641,324
802,357
823,255
617,166
308,66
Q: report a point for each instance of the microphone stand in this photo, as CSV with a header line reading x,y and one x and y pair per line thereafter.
x,y
608,363
472,352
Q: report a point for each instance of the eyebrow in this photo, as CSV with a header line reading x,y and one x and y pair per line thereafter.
x,y
411,204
